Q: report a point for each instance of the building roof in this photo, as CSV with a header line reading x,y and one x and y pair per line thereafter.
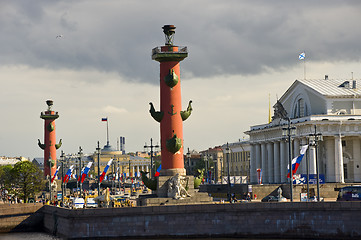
x,y
333,87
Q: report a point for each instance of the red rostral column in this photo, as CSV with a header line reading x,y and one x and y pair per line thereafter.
x,y
49,145
170,116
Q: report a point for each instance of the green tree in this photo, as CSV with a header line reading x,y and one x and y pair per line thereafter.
x,y
5,177
28,179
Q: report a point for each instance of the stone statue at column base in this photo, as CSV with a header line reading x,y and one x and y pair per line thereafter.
x,y
176,187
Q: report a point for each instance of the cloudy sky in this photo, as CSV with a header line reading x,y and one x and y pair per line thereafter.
x,y
239,53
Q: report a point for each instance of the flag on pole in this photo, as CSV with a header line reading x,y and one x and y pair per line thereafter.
x,y
297,161
56,172
302,56
105,170
104,119
116,174
85,171
158,171
68,174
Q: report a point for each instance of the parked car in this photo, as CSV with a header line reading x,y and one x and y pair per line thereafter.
x,y
78,203
271,198
349,193
91,203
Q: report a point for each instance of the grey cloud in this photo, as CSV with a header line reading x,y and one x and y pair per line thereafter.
x,y
223,37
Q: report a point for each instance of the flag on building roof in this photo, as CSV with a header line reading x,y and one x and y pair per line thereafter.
x,y
104,119
68,174
297,161
302,56
105,170
158,171
56,172
85,171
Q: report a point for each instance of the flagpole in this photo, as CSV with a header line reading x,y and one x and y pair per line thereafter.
x,y
107,133
302,57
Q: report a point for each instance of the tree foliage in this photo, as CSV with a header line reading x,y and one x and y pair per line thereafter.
x,y
5,177
27,179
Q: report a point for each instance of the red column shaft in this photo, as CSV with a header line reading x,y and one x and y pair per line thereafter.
x,y
171,105
50,149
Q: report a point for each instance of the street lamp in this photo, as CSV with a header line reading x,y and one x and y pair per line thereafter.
x,y
98,150
228,151
80,153
50,166
314,139
288,132
62,159
189,162
205,159
151,155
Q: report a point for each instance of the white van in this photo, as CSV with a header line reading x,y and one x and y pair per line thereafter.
x,y
90,203
78,203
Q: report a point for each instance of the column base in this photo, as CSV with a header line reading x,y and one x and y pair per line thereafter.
x,y
173,172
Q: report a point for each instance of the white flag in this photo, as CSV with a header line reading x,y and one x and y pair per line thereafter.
x,y
302,56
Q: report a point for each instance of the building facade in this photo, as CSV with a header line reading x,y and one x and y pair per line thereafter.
x,y
213,159
327,108
238,160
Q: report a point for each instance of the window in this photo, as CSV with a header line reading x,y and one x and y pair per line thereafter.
x,y
300,109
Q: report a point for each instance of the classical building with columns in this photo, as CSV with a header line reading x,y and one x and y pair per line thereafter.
x,y
328,107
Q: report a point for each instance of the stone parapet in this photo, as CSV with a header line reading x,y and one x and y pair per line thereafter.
x,y
326,220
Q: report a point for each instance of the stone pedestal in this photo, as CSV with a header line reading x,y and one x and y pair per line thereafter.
x,y
162,185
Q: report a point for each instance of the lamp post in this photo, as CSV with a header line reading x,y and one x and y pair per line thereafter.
x,y
205,159
151,155
211,168
289,132
189,162
98,151
314,139
62,175
80,154
228,151
50,163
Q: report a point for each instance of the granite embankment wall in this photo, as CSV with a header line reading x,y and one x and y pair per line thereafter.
x,y
331,220
21,217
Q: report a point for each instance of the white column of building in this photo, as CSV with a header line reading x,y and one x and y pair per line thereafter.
x,y
283,162
138,172
276,162
270,162
264,165
303,167
133,171
339,160
147,168
312,159
296,150
296,147
330,160
356,159
258,159
253,164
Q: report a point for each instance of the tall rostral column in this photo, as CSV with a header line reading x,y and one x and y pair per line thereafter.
x,y
49,145
170,116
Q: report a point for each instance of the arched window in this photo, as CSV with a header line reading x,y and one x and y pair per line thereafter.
x,y
300,108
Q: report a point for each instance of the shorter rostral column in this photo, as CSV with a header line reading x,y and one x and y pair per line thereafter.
x,y
49,145
170,116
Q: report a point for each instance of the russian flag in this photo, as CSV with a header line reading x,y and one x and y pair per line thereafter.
x,y
56,172
68,174
158,171
105,170
104,119
86,170
297,161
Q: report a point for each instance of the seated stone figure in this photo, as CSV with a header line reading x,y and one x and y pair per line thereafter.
x,y
176,187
